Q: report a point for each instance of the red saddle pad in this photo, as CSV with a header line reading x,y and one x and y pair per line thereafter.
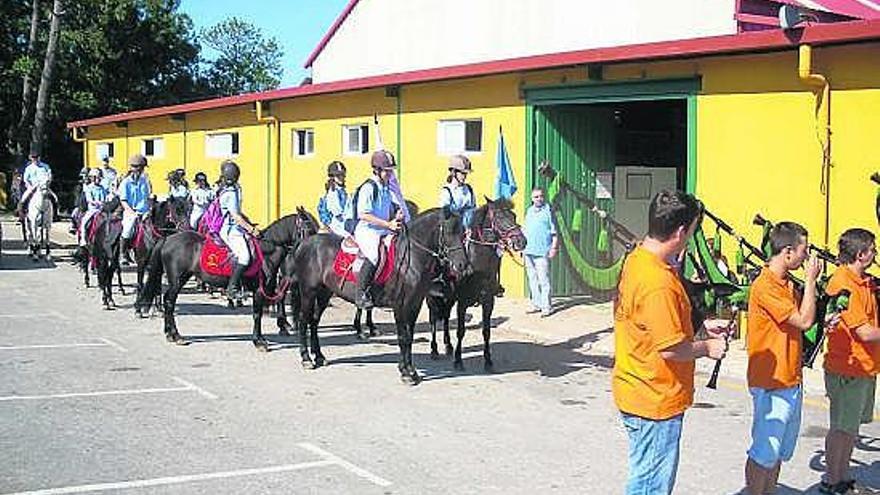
x,y
343,262
216,259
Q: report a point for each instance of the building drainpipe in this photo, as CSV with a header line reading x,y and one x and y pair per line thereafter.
x,y
272,121
822,87
80,137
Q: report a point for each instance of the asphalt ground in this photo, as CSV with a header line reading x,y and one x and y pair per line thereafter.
x,y
96,401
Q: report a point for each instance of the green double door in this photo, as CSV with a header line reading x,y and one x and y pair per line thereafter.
x,y
578,141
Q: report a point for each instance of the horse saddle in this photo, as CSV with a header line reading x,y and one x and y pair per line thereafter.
x,y
349,260
217,260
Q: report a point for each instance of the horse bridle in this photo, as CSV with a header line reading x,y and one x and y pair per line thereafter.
x,y
504,236
442,252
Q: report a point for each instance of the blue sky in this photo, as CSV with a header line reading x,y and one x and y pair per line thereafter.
x,y
298,25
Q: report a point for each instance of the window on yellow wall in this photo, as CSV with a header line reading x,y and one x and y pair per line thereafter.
x,y
303,142
104,150
459,136
221,145
355,139
153,147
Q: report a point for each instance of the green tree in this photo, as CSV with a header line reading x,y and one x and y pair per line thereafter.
x,y
245,61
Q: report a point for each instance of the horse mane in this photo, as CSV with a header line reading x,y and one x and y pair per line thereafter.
x,y
284,229
501,204
422,224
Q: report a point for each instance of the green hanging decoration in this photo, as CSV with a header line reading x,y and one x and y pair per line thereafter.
x,y
716,242
603,242
595,277
740,259
577,220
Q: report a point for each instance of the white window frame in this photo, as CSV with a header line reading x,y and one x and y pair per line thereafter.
x,y
106,148
210,146
158,147
449,144
295,142
364,139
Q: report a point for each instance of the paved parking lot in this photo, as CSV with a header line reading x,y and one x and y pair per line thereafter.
x,y
97,401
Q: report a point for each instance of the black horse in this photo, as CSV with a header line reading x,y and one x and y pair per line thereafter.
x,y
494,231
178,257
430,244
104,247
166,217
371,327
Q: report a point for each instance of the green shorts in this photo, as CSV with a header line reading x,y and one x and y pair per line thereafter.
x,y
852,401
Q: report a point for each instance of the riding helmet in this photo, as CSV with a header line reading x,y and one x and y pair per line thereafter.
x,y
201,177
137,161
383,160
95,172
460,163
335,168
229,171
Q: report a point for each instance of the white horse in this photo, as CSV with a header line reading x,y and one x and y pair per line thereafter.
x,y
40,211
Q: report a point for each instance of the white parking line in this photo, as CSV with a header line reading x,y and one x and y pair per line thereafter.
x,y
327,459
136,391
51,314
173,480
113,344
195,388
363,473
52,346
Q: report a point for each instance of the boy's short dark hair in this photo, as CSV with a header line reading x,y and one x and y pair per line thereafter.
x,y
670,210
786,234
852,242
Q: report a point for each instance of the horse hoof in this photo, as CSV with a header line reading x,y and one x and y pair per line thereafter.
x,y
435,355
261,345
411,379
363,336
319,362
283,331
307,364
488,367
459,366
176,339
449,350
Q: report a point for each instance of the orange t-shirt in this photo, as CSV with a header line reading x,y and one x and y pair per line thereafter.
x,y
847,354
652,313
774,345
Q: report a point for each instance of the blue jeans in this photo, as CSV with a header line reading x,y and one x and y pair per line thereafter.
x,y
538,270
653,454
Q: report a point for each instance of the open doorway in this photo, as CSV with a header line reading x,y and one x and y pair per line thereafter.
x,y
618,154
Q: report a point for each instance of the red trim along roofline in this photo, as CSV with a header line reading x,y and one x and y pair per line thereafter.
x,y
330,33
755,41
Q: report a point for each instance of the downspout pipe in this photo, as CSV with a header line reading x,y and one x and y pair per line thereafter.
x,y
822,88
273,121
79,136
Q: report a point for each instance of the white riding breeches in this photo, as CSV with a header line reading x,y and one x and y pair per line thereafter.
x,y
195,216
368,241
235,239
128,222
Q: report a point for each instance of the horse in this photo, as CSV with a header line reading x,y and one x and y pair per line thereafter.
x,y
104,248
371,327
494,231
430,243
179,258
165,217
40,211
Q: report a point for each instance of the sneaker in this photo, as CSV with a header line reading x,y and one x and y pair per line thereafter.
x,y
546,313
532,311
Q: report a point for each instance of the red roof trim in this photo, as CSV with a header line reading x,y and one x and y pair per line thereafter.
x,y
774,39
332,31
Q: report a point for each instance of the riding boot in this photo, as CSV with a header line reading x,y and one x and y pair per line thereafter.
x,y
125,247
365,285
233,288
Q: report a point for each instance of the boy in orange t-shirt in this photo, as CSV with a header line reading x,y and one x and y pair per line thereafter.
x,y
852,359
776,321
654,347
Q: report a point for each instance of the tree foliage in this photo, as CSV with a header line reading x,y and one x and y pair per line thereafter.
x,y
116,56
245,61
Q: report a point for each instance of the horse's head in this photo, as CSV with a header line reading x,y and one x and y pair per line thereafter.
x,y
450,246
500,221
306,224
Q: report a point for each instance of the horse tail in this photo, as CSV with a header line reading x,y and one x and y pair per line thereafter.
x,y
155,269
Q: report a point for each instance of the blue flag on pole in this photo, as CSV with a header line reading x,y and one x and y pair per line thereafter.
x,y
505,183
